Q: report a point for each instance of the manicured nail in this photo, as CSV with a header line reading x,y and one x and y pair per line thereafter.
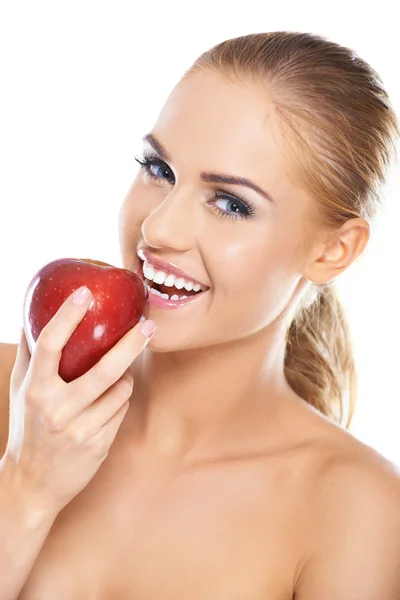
x,y
81,295
148,328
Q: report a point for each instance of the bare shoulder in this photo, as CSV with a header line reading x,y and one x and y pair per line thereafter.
x,y
359,486
354,510
354,464
8,354
347,467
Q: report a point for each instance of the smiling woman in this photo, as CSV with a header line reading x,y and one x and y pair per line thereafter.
x,y
342,178
230,476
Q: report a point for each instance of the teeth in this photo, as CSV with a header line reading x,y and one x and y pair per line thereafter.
x,y
154,291
169,282
165,296
148,271
179,283
160,277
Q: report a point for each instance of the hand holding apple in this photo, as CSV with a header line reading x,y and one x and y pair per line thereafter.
x,y
119,300
61,432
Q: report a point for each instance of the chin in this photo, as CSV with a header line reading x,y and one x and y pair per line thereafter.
x,y
160,345
190,341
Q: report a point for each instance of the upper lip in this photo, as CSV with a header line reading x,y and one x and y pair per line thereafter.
x,y
167,267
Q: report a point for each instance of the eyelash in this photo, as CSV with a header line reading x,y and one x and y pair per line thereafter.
x,y
147,161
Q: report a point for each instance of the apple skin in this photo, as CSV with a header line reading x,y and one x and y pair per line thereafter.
x,y
119,300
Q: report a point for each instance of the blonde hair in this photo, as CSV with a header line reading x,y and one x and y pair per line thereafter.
x,y
340,133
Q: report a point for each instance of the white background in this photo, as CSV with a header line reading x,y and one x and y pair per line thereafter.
x,y
82,82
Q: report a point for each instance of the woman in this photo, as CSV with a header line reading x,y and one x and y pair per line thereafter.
x,y
227,475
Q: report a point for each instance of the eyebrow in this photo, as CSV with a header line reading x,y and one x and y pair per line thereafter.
x,y
209,176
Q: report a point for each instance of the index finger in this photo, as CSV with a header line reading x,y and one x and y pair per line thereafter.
x,y
92,384
46,354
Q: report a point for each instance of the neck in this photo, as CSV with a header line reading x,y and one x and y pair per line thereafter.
x,y
208,401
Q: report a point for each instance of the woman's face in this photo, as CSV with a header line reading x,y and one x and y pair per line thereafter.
x,y
245,247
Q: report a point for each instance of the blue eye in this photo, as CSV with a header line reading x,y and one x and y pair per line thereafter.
x,y
161,172
158,170
239,208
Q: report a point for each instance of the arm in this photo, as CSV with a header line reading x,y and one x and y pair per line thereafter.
x,y
23,531
355,554
7,359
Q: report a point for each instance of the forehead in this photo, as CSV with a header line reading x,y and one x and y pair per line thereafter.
x,y
211,122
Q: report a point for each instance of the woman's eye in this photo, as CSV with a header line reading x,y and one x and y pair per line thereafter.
x,y
162,172
156,169
231,205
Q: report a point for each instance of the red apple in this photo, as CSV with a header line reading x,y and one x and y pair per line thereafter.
x,y
119,299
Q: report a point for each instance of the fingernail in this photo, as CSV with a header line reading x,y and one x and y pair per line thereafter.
x,y
80,296
148,328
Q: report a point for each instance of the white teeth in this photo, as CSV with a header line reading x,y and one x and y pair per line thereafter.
x,y
165,296
154,291
148,271
159,277
179,283
169,282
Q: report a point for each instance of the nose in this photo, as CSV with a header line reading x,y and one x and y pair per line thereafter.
x,y
172,224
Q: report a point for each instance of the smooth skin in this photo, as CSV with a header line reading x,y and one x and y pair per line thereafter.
x,y
59,435
221,482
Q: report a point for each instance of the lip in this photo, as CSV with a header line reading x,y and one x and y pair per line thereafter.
x,y
167,267
158,302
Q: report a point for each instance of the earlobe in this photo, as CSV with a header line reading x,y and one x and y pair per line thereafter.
x,y
342,248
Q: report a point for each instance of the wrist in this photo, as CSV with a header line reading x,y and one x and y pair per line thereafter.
x,y
16,495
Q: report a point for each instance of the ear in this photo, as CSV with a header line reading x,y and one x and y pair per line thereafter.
x,y
337,250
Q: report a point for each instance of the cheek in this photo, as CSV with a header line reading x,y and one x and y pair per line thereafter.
x,y
259,282
255,261
254,278
137,205
130,219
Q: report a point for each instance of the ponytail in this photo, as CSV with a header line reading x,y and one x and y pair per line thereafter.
x,y
319,362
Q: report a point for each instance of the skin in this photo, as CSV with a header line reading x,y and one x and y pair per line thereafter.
x,y
220,479
240,325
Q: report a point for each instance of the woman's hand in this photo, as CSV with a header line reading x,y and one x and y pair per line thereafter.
x,y
60,433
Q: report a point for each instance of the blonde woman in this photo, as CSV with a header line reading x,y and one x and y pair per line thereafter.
x,y
226,471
